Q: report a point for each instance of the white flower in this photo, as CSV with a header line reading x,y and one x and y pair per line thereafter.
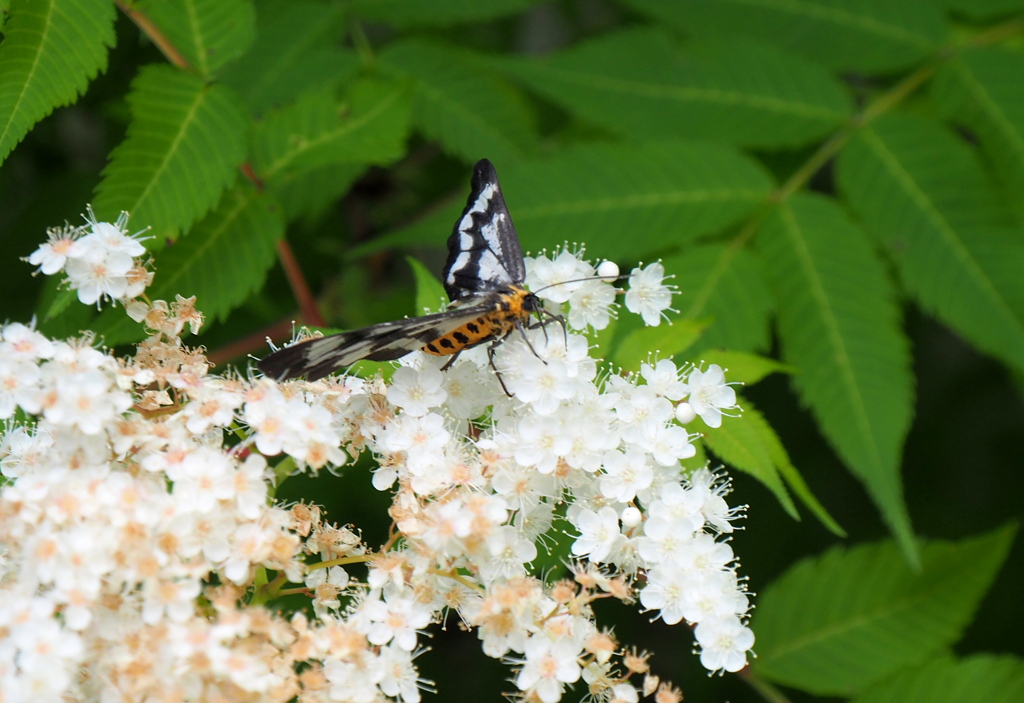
x,y
139,520
640,406
549,666
599,533
625,475
591,304
469,389
174,600
667,443
555,280
24,343
663,378
417,390
399,679
51,256
510,549
541,442
113,238
95,276
423,440
394,618
19,386
709,394
703,555
717,594
355,682
724,643
710,489
666,591
84,400
648,296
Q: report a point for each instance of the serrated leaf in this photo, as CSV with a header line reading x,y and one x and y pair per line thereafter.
x,y
51,50
839,326
925,195
185,143
634,82
979,678
468,109
222,262
728,285
430,294
368,126
664,340
207,33
744,368
981,90
298,49
860,35
768,440
839,623
622,201
436,13
743,443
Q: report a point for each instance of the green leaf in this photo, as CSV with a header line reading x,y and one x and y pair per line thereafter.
x,y
728,285
979,678
981,90
745,368
839,326
793,479
430,294
222,262
468,109
836,624
184,145
622,201
308,195
368,126
51,50
858,35
664,340
436,13
298,49
634,82
984,9
744,443
207,33
924,194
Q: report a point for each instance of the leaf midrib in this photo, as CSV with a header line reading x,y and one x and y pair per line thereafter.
x,y
843,359
327,136
944,229
48,26
840,18
711,96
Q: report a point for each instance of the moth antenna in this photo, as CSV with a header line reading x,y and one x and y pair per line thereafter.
x,y
619,277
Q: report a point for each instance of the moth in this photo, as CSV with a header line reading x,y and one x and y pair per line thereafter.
x,y
483,277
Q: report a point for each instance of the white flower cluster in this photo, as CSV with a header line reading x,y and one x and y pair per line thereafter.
x,y
141,540
98,258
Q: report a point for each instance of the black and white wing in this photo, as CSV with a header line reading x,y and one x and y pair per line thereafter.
x,y
316,358
483,250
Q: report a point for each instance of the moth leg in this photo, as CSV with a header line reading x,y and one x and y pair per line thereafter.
x,y
451,361
522,331
544,317
490,359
